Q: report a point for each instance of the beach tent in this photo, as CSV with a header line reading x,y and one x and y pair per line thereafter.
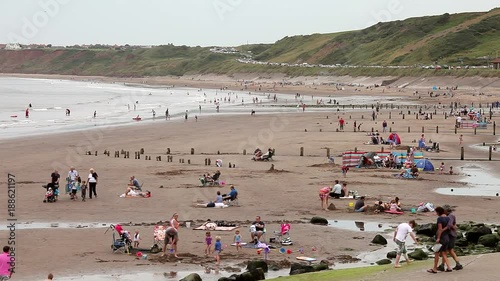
x,y
394,138
425,165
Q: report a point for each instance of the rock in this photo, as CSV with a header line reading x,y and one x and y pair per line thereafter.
x,y
274,267
428,229
489,240
391,255
192,277
245,276
464,227
254,264
319,220
462,242
419,255
477,231
298,268
332,207
258,274
379,239
384,261
320,266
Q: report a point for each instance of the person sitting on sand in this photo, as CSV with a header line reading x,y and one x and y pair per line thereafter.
x,y
134,183
414,171
218,198
360,205
393,206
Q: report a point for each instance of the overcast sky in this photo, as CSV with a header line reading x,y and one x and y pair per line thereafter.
x,y
203,22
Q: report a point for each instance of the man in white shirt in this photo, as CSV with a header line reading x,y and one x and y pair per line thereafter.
x,y
72,174
459,121
337,190
399,238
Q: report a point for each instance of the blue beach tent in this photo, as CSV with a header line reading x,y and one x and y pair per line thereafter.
x,y
425,165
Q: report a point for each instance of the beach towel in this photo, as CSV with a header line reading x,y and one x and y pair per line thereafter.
x,y
217,228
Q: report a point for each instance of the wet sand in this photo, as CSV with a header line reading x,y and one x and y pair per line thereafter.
x,y
288,194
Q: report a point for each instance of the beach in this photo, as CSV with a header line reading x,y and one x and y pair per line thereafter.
x,y
289,193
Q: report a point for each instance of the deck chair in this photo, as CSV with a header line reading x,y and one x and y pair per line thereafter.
x,y
234,201
158,238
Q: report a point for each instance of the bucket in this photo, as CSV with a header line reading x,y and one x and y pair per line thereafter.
x,y
413,211
351,205
188,224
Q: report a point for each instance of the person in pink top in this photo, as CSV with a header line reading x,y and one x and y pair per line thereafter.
x,y
5,264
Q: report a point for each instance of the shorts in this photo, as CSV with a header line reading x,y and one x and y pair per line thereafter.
x,y
401,247
360,210
174,239
323,195
451,244
73,191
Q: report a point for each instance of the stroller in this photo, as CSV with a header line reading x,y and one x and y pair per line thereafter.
x,y
283,236
52,193
122,244
158,238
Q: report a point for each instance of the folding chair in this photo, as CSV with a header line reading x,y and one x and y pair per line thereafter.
x,y
158,238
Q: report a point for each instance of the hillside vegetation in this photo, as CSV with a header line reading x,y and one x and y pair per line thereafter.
x,y
458,39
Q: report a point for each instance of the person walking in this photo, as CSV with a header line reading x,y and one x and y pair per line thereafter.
x,y
384,126
442,240
92,181
399,238
452,226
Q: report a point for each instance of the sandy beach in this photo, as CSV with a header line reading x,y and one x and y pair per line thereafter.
x,y
289,193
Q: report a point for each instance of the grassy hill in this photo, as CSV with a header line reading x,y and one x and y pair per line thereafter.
x,y
447,39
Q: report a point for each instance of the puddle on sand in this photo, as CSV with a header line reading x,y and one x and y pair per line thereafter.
x,y
479,183
359,225
51,225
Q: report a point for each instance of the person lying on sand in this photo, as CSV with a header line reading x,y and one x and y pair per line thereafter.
x,y
132,192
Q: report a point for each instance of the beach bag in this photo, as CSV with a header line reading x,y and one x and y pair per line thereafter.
x,y
429,206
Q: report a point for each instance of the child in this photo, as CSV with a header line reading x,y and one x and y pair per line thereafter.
x,y
137,238
218,249
451,170
345,169
237,240
84,190
441,168
208,243
461,139
74,188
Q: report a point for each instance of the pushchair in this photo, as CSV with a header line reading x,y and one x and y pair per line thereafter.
x,y
158,238
282,236
123,244
52,193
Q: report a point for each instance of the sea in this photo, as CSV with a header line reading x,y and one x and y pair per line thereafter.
x,y
117,104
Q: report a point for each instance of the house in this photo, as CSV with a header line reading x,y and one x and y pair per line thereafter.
x,y
496,63
13,46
